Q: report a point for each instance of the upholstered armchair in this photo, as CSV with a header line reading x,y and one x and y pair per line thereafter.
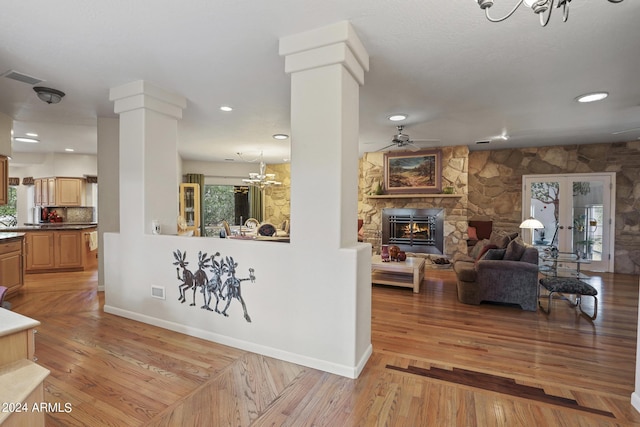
x,y
502,275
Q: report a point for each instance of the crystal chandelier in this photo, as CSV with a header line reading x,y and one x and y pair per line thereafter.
x,y
540,7
261,179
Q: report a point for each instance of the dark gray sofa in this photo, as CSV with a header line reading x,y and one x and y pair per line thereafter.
x,y
502,275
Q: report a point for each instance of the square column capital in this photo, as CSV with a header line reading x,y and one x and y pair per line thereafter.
x,y
144,95
330,45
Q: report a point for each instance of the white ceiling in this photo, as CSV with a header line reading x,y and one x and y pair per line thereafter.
x,y
459,77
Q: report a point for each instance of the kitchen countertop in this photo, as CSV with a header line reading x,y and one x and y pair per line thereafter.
x,y
51,226
11,322
10,235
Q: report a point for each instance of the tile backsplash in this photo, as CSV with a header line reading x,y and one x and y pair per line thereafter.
x,y
79,214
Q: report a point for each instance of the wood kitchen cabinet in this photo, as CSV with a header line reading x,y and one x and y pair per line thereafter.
x,y
11,263
54,250
4,180
59,191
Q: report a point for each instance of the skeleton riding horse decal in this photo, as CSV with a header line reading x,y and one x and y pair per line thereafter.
x,y
211,285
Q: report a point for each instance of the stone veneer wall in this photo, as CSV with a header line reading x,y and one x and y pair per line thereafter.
x,y
454,173
495,186
277,199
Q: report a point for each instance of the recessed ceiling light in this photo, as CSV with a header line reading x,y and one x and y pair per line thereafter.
x,y
23,139
398,117
226,108
280,136
69,149
592,97
31,134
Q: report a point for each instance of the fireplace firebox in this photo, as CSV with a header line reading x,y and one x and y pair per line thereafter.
x,y
414,230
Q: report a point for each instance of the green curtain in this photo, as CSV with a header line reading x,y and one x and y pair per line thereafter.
x,y
198,178
255,203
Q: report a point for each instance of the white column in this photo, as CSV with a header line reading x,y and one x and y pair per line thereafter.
x,y
327,66
148,151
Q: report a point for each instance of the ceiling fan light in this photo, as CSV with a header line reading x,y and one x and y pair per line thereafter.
x,y
48,95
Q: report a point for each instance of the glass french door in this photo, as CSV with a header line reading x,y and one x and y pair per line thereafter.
x,y
577,213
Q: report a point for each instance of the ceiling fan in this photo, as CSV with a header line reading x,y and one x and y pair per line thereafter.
x,y
402,140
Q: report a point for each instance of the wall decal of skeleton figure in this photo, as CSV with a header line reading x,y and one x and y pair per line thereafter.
x,y
232,286
187,276
200,279
214,285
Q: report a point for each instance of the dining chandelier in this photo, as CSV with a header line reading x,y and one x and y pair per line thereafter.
x,y
261,179
542,8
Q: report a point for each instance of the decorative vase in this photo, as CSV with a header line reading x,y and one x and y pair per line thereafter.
x,y
402,256
379,190
384,253
393,252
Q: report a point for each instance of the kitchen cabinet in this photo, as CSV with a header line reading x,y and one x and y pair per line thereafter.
x,y
189,208
55,250
50,198
59,191
11,263
4,180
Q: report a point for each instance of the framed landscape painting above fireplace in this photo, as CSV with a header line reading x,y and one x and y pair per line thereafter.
x,y
413,172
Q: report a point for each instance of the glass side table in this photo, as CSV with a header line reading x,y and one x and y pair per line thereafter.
x,y
562,264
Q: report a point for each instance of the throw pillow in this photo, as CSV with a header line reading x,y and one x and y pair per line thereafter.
x,y
499,238
494,254
485,249
515,250
472,232
478,247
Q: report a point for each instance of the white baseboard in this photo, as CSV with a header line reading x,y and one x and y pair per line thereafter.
x,y
310,362
635,400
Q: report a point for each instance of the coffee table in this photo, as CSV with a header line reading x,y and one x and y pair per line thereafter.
x,y
408,273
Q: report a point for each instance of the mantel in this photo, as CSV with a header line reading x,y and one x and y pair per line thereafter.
x,y
410,196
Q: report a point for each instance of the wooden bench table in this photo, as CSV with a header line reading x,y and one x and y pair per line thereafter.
x,y
408,273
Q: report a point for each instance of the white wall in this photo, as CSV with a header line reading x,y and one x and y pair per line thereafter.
x,y
635,396
311,299
221,173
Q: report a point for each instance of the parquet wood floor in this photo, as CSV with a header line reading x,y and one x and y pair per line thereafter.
x,y
436,362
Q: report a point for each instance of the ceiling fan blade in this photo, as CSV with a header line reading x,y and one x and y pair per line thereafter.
x,y
425,140
388,146
411,146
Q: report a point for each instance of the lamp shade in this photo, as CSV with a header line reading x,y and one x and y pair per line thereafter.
x,y
532,223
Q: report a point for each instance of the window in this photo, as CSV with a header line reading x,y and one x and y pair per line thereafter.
x,y
224,203
8,212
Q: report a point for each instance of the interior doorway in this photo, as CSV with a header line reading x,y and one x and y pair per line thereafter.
x,y
577,211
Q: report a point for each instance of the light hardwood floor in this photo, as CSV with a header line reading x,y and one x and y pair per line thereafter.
x,y
436,362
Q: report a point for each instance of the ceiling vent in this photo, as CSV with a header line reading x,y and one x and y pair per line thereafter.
x,y
483,141
21,77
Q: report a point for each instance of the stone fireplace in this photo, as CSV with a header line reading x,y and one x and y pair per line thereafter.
x,y
453,207
414,230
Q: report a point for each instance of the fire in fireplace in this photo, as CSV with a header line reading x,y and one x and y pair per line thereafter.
x,y
414,230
